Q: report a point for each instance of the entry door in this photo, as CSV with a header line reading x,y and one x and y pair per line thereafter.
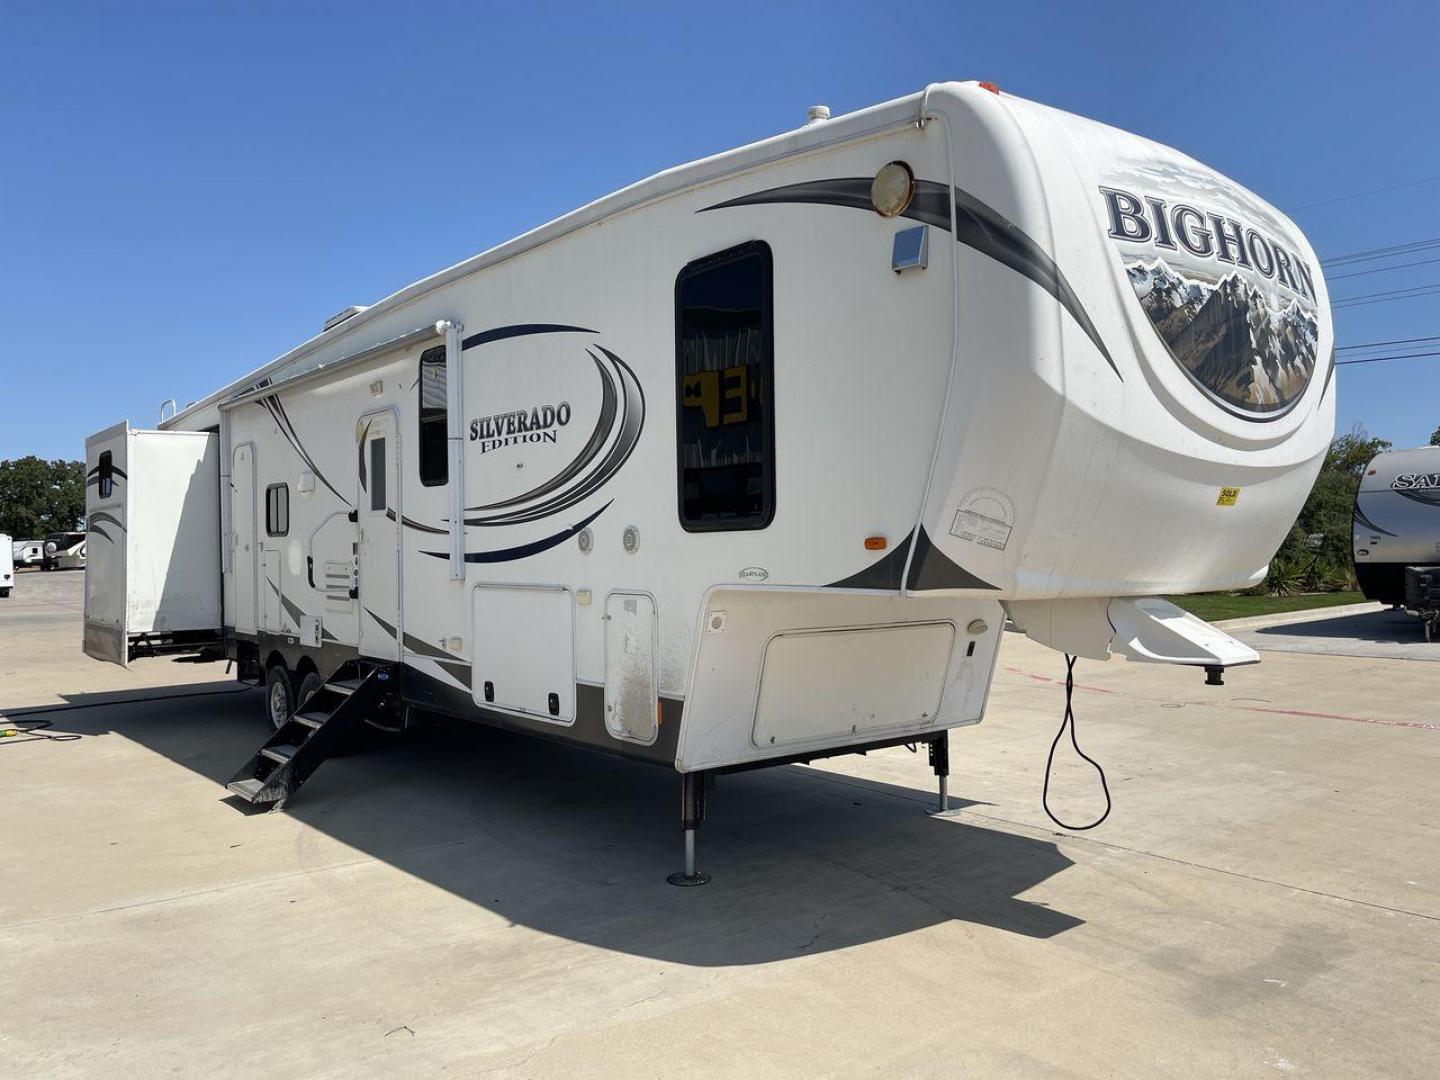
x,y
378,517
244,550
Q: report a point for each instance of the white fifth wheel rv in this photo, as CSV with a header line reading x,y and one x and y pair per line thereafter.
x,y
1397,522
7,565
746,463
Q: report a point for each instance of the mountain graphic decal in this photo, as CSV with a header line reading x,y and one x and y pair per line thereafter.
x,y
1229,285
1228,335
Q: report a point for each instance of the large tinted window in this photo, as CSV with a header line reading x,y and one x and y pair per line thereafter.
x,y
434,454
725,367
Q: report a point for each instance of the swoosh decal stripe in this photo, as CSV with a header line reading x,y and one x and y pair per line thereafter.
x,y
500,333
597,440
1363,520
524,551
632,421
978,226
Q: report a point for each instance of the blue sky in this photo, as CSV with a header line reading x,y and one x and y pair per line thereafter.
x,y
188,190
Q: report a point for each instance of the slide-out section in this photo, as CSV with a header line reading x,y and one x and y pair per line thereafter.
x,y
152,504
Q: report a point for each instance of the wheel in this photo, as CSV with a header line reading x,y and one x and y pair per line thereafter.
x,y
279,695
4,594
308,686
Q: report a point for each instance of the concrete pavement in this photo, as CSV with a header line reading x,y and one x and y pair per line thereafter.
x,y
1263,900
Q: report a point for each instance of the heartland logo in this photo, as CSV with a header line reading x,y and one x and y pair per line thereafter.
x,y
1416,482
1235,306
538,425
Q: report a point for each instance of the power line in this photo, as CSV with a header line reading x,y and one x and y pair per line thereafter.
x,y
1385,297
1372,191
1381,359
1380,269
1372,254
1397,341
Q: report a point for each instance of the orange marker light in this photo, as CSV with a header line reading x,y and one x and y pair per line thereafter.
x,y
990,86
875,543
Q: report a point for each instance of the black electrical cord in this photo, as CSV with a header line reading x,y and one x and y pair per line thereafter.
x,y
36,731
1069,720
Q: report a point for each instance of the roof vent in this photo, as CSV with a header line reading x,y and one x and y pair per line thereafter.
x,y
816,113
340,316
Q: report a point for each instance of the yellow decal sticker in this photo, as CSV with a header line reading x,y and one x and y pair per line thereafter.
x,y
1227,496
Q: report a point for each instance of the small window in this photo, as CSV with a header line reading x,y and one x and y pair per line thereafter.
x,y
107,474
724,360
434,451
377,474
277,509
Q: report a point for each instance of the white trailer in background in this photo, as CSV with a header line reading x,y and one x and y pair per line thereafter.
x,y
27,552
748,462
1396,540
7,566
153,581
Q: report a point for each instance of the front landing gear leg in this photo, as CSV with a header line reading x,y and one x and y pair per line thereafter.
x,y
940,762
692,813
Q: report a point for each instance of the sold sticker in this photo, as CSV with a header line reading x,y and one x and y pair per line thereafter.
x,y
1227,496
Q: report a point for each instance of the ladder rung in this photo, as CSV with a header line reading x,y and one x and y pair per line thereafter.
x,y
282,754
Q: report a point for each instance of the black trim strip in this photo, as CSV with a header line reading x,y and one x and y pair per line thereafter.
x,y
931,568
977,225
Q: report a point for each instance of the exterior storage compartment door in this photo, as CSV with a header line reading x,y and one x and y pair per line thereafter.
x,y
524,660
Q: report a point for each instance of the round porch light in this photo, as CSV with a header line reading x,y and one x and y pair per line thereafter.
x,y
892,189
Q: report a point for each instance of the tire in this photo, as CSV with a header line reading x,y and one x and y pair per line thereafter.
x,y
4,594
308,686
279,695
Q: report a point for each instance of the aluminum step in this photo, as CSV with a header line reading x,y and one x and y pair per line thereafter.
x,y
282,754
343,686
310,719
246,789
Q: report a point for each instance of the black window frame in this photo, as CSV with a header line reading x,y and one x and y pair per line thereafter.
x,y
432,473
106,474
709,262
278,507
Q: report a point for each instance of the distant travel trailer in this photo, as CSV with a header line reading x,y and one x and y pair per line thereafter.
x,y
749,462
1396,521
27,552
63,551
7,566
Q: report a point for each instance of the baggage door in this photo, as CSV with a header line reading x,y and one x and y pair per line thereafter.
x,y
244,549
378,517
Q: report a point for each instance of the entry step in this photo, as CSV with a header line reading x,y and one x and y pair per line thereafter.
x,y
281,753
246,789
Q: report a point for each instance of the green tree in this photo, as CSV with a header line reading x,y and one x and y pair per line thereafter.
x,y
1321,534
39,496
1435,437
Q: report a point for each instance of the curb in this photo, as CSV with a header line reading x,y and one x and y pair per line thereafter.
x,y
1303,615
